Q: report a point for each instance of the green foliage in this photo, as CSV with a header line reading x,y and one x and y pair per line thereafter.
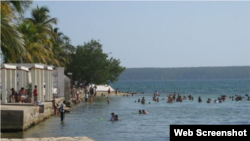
x,y
29,89
26,4
35,40
90,64
12,42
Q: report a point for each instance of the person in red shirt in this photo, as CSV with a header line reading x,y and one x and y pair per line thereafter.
x,y
35,95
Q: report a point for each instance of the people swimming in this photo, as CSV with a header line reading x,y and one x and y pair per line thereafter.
x,y
112,118
199,99
143,100
140,112
116,118
144,112
209,100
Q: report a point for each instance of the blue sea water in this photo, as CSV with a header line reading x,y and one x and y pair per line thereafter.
x,y
86,120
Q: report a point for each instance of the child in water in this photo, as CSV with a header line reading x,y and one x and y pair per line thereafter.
x,y
116,118
112,117
144,112
140,112
108,100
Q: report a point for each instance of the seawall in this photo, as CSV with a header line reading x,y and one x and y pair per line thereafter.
x,y
19,117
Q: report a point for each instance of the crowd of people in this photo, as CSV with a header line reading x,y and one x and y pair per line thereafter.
x,y
22,94
178,98
90,93
174,97
171,98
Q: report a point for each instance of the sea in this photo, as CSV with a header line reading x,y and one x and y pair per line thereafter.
x,y
93,120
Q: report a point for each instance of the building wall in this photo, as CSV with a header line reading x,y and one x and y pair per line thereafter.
x,y
58,81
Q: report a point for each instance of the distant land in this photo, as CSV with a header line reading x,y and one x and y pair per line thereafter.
x,y
186,73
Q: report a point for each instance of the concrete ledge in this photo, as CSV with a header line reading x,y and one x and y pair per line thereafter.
x,y
20,117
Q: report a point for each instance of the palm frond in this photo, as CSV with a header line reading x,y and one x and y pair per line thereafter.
x,y
11,39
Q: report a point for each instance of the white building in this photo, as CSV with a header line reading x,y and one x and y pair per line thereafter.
x,y
58,81
51,81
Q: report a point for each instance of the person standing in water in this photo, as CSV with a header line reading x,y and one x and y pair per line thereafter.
x,y
62,110
109,91
143,100
108,100
86,98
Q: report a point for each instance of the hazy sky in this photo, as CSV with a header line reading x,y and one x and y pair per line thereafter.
x,y
160,33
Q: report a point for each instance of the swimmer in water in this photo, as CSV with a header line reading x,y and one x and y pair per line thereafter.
x,y
116,118
140,112
144,112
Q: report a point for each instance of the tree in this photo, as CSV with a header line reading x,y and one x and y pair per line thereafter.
x,y
90,64
62,48
12,43
41,18
39,43
36,53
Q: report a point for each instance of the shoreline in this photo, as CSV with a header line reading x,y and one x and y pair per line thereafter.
x,y
49,111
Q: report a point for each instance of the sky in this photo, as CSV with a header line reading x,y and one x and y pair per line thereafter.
x,y
164,34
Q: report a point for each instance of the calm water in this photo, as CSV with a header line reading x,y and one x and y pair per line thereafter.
x,y
84,120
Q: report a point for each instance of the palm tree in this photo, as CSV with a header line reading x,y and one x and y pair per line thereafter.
x,y
36,53
12,44
40,42
69,50
59,53
41,18
62,47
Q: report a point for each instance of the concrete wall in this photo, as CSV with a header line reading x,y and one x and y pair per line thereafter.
x,y
11,120
19,118
60,80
